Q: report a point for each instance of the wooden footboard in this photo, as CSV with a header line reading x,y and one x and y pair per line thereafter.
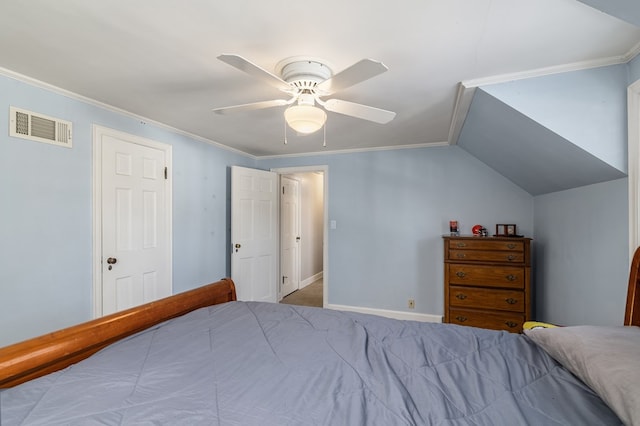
x,y
41,355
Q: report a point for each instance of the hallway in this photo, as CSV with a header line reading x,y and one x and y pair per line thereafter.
x,y
310,295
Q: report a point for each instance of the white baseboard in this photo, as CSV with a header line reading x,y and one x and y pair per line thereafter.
x,y
401,315
312,279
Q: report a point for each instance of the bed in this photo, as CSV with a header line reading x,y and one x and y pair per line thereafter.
x,y
201,357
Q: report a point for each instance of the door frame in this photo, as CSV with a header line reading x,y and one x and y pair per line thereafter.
x,y
633,172
97,133
325,234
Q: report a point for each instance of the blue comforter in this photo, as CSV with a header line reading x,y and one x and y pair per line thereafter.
x,y
250,363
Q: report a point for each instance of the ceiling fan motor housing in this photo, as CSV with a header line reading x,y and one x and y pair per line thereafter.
x,y
304,74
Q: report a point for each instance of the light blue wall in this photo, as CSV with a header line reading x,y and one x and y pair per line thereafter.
x,y
582,257
392,208
46,213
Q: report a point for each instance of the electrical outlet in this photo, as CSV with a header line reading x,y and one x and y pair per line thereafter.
x,y
411,303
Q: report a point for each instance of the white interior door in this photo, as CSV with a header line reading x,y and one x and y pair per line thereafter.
x,y
135,221
289,236
254,233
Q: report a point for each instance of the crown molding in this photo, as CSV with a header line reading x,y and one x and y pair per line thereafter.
x,y
556,69
356,150
464,97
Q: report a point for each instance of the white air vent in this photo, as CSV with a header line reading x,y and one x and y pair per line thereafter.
x,y
38,127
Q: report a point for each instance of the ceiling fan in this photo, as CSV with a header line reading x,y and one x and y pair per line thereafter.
x,y
308,80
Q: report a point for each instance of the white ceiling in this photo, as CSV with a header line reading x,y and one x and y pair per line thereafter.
x,y
157,58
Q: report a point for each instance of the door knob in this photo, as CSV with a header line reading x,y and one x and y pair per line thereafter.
x,y
237,246
111,261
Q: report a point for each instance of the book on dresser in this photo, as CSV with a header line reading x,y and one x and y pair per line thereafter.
x,y
487,281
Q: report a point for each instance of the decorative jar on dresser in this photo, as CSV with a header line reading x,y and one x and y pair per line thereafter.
x,y
487,281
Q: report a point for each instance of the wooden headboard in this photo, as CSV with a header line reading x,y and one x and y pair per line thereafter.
x,y
51,352
632,311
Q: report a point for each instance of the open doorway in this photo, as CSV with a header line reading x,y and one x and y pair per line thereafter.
x,y
303,213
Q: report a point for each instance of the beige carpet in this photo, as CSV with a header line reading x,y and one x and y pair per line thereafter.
x,y
310,295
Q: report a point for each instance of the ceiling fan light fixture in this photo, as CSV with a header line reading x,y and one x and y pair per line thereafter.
x,y
305,119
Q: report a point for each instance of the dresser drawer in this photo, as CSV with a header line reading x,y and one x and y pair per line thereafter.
x,y
481,244
487,256
486,276
482,298
495,320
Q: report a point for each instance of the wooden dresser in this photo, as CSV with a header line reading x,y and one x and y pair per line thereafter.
x,y
487,281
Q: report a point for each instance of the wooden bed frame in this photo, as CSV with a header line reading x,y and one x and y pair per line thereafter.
x,y
36,357
42,355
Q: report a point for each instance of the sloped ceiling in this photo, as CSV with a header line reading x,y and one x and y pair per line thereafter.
x,y
527,153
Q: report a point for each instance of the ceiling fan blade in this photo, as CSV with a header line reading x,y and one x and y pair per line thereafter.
x,y
364,112
252,106
253,70
356,73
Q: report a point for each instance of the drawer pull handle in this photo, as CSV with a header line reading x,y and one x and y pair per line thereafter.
x,y
461,318
511,277
461,255
510,324
461,296
511,246
510,257
460,274
461,245
511,301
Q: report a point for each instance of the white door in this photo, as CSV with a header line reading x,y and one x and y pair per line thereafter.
x,y
136,228
254,197
289,236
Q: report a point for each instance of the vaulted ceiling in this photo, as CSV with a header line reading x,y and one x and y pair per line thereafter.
x,y
157,59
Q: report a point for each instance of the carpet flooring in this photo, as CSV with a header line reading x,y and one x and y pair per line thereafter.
x,y
310,295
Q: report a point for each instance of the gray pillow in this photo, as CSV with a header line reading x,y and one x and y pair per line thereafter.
x,y
607,359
